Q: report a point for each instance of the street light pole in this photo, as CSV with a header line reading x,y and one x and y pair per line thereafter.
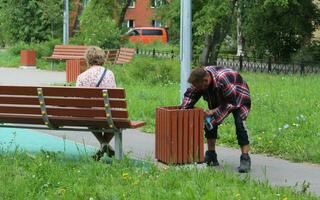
x,y
66,22
185,45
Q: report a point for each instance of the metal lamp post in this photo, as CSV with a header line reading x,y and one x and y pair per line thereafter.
x,y
185,45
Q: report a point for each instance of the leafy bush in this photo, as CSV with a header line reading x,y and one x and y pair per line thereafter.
x,y
309,54
42,49
30,20
151,71
98,26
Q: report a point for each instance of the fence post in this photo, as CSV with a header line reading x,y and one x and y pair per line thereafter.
x,y
269,65
241,62
154,53
293,68
302,68
172,54
137,51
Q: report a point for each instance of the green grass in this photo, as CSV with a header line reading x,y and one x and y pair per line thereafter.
x,y
8,59
284,115
283,120
53,176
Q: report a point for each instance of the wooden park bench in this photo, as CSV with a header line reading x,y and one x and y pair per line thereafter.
x,y
66,108
125,55
111,55
68,52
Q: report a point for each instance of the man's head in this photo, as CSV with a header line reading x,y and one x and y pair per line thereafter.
x,y
95,56
200,78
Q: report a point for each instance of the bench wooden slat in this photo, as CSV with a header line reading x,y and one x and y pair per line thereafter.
x,y
66,57
71,102
125,55
61,91
83,92
123,49
137,124
58,54
65,121
115,103
97,122
93,112
68,52
66,111
58,46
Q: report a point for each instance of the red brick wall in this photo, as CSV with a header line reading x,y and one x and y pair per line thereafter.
x,y
142,14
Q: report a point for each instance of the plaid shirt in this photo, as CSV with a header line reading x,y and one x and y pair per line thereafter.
x,y
227,92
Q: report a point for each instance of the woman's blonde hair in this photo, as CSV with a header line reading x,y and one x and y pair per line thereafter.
x,y
95,56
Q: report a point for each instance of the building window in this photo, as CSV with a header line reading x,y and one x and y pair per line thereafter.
x,y
130,23
156,23
156,3
132,4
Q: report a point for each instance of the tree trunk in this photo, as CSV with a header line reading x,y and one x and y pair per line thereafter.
x,y
213,41
240,40
216,41
123,13
205,52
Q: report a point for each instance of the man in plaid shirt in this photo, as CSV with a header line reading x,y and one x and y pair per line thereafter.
x,y
226,92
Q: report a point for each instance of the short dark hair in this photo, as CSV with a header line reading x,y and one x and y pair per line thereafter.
x,y
197,75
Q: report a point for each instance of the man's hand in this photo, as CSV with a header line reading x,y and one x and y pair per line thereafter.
x,y
208,112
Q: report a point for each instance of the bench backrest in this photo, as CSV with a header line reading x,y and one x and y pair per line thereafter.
x,y
66,52
64,106
111,55
125,55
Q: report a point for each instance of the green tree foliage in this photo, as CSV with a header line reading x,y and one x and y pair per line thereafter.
x,y
170,15
98,24
30,20
278,28
211,20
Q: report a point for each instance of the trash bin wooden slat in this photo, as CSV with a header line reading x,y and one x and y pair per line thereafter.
x,y
74,68
179,135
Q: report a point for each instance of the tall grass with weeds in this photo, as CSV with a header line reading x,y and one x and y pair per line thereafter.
x,y
53,176
283,119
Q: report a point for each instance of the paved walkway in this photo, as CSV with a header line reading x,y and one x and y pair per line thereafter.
x,y
30,77
141,145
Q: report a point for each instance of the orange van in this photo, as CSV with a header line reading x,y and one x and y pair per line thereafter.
x,y
147,35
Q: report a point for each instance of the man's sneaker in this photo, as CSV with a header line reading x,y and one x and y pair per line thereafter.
x,y
245,163
210,158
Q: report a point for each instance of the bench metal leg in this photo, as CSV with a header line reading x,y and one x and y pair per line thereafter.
x,y
118,144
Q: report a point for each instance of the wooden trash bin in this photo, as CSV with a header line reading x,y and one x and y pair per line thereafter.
x,y
28,58
179,135
74,68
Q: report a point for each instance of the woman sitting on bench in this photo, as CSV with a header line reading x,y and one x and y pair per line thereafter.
x,y
98,76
